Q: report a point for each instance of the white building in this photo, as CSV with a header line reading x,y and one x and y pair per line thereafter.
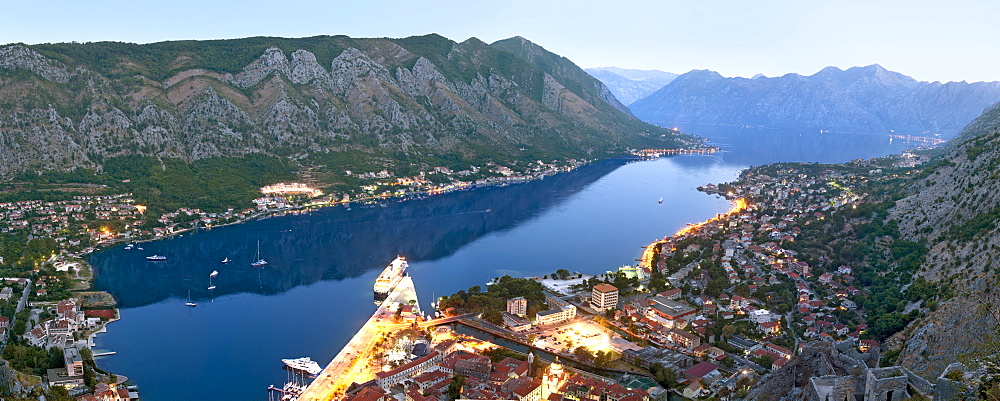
x,y
517,306
761,316
554,316
604,297
408,370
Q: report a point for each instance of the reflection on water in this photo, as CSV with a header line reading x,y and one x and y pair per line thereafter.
x,y
317,289
330,243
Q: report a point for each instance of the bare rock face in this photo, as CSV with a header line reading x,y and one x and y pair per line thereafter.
x,y
955,210
63,107
306,69
21,57
272,61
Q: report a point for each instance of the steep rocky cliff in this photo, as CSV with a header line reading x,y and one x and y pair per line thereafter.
x,y
319,100
861,99
956,210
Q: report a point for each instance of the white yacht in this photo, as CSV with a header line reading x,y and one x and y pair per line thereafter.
x,y
304,364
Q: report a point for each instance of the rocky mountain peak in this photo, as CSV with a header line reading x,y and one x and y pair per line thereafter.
x,y
379,101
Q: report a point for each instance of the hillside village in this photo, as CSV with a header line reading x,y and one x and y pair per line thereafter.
x,y
721,307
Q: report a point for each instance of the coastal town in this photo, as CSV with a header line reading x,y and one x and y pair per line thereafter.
x,y
47,306
707,312
715,311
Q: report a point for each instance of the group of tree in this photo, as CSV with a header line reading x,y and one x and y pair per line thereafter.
x,y
491,303
601,358
665,376
33,360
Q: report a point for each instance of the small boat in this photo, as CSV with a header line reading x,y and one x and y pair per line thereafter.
x,y
214,273
661,200
211,287
139,248
259,262
156,258
128,247
189,301
304,364
226,260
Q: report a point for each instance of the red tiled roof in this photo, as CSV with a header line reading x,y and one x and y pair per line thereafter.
x,y
700,370
370,393
407,365
604,287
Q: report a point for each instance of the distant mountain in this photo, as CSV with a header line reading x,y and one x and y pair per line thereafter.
x,y
861,99
631,85
330,102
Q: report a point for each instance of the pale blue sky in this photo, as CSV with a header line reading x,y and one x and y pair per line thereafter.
x,y
929,40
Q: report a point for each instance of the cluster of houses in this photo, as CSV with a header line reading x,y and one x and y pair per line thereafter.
x,y
44,218
387,184
430,376
75,216
185,218
59,331
748,246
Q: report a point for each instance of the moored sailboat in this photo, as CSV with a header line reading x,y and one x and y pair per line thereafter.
x,y
258,261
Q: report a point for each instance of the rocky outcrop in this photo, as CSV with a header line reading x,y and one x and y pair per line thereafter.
x,y
956,211
74,105
860,100
21,57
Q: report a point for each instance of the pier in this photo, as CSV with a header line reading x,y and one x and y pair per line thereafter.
x,y
351,363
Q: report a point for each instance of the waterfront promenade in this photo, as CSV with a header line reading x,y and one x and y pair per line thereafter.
x,y
352,362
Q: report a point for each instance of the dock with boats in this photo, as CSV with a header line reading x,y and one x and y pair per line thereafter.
x,y
344,369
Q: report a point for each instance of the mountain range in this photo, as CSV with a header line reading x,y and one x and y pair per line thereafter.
x,y
859,100
331,102
629,85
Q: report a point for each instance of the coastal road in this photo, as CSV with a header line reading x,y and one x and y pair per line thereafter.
x,y
24,298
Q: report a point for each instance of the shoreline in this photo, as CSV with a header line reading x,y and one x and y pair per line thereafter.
x,y
306,207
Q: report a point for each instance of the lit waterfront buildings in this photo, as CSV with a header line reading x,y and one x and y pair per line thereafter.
x,y
295,188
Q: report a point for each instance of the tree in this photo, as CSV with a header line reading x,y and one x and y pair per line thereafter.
x,y
604,359
454,391
59,393
583,353
562,273
665,376
728,331
493,316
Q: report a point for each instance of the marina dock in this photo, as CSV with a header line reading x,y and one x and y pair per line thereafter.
x,y
350,364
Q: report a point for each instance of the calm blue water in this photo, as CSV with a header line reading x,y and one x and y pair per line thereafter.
x,y
317,290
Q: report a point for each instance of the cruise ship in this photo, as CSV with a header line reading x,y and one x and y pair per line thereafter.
x,y
390,277
303,365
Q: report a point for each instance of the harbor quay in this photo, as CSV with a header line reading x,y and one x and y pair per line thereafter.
x,y
351,363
